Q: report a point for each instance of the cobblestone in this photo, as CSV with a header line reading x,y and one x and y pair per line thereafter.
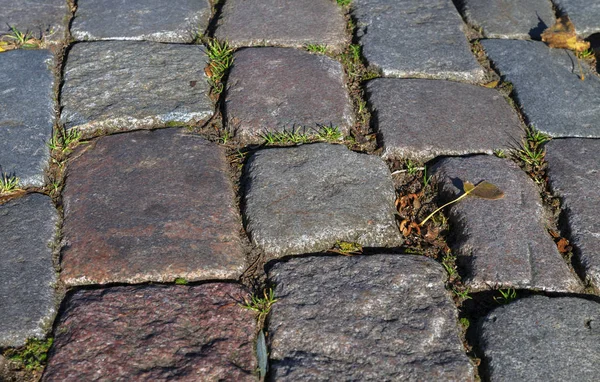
x,y
381,317
585,14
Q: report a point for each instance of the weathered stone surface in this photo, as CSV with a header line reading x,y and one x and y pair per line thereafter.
x,y
279,89
411,38
154,20
585,14
303,199
379,318
543,339
501,243
26,114
27,275
574,174
154,333
122,85
283,23
422,119
46,19
512,19
547,85
150,206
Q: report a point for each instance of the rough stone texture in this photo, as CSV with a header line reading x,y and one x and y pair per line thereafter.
x,y
303,199
422,119
150,206
26,114
512,19
279,89
46,19
574,174
154,20
501,243
122,85
283,23
27,276
411,38
547,85
585,14
543,339
376,318
153,333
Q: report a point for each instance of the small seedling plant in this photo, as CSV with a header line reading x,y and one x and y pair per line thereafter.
x,y
17,39
261,305
506,296
8,183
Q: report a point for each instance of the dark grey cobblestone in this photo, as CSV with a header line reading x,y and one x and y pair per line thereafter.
x,y
27,275
46,19
26,114
379,318
543,339
501,243
585,14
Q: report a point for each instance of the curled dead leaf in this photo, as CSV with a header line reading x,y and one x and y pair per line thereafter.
x,y
563,245
562,35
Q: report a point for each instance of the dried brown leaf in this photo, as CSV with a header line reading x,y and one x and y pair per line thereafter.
x,y
562,35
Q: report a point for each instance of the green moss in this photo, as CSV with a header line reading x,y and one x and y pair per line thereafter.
x,y
33,355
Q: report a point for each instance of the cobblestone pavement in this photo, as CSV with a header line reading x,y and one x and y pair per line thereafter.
x,y
237,190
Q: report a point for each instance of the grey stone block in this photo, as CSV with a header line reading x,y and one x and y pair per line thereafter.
x,y
282,89
548,88
376,318
283,23
120,85
46,19
27,275
511,19
153,20
303,199
422,119
585,15
415,38
26,114
542,339
501,243
574,174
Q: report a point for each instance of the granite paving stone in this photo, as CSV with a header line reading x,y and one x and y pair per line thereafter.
x,y
542,339
585,14
45,20
26,114
123,85
547,86
511,19
179,21
377,318
306,198
574,174
150,206
422,119
504,242
154,333
422,38
283,89
27,275
283,23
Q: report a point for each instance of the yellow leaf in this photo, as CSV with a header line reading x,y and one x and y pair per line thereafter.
x,y
562,35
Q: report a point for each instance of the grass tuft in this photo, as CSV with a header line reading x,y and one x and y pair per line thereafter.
x,y
220,59
16,39
8,183
316,48
260,305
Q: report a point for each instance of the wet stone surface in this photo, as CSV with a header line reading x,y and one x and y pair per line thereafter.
x,y
504,242
380,318
304,199
574,174
282,89
121,85
415,38
513,19
547,86
150,206
154,333
46,19
27,228
585,14
178,21
26,114
283,23
422,119
542,339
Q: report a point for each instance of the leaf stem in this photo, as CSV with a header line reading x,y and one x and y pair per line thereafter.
x,y
445,205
